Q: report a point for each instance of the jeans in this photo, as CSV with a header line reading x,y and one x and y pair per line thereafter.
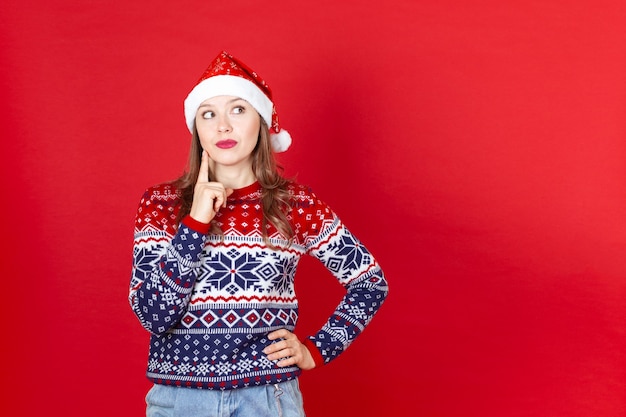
x,y
277,400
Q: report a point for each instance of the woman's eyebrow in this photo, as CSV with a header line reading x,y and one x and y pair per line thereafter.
x,y
228,102
236,99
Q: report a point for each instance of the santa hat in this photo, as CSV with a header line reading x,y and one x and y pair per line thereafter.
x,y
227,76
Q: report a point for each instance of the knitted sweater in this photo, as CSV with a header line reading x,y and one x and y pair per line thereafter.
x,y
209,301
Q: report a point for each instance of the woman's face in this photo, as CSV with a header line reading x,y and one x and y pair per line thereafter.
x,y
228,128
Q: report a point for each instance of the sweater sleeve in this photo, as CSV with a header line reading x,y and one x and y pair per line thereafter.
x,y
165,263
357,271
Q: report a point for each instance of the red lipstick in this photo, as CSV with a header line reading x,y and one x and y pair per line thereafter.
x,y
226,143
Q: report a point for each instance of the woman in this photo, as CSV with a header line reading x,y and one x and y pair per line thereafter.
x,y
214,260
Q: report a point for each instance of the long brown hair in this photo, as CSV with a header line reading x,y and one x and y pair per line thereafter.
x,y
274,195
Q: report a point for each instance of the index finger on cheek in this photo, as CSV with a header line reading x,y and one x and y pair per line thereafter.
x,y
211,163
203,173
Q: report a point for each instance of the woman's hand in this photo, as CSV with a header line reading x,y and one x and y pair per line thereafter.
x,y
290,351
208,196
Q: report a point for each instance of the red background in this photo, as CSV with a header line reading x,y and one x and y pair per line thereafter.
x,y
476,147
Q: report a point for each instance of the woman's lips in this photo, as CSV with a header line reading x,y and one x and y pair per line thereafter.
x,y
226,143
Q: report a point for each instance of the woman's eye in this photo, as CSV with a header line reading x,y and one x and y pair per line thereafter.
x,y
238,110
208,115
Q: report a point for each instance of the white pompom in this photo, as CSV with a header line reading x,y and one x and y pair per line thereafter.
x,y
280,140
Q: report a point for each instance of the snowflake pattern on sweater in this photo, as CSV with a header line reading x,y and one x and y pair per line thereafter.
x,y
209,301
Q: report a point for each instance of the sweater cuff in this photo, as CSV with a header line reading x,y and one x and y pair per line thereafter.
x,y
194,224
315,353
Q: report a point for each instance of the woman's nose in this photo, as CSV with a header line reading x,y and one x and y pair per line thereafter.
x,y
224,124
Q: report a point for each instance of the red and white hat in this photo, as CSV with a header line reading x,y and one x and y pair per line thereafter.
x,y
227,76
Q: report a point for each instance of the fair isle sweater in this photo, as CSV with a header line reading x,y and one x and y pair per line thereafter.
x,y
210,301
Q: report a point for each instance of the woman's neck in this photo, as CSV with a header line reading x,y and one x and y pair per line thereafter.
x,y
234,178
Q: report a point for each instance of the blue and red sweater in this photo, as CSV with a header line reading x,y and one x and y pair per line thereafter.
x,y
210,301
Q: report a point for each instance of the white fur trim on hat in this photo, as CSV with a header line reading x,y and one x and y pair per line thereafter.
x,y
227,85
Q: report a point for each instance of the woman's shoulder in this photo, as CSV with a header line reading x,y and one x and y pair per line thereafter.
x,y
165,193
300,191
302,195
